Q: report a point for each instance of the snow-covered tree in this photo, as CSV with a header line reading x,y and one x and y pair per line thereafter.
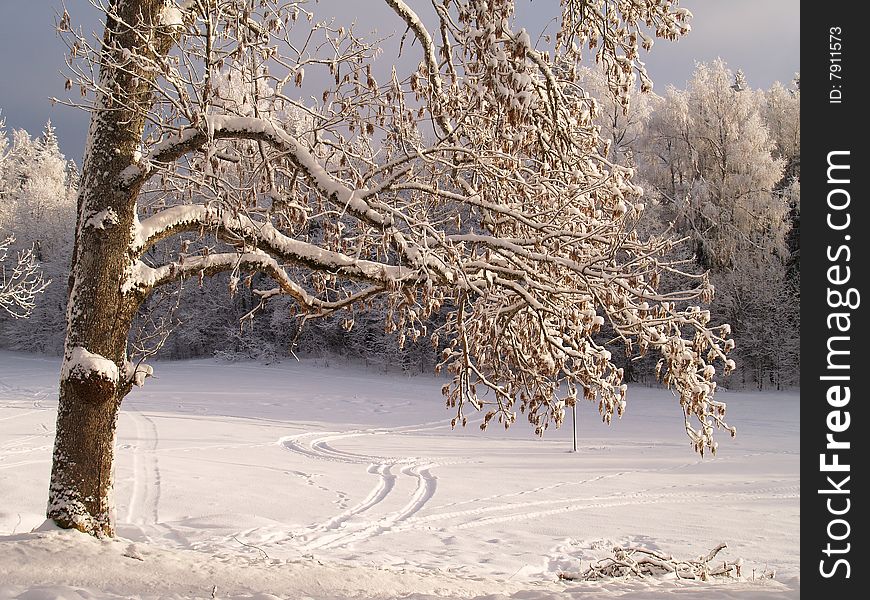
x,y
710,159
37,186
782,116
622,125
474,184
43,196
765,316
716,173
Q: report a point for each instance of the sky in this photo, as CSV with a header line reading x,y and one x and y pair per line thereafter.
x,y
762,37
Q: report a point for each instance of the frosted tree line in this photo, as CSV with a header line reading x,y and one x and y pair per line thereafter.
x,y
723,162
37,216
719,162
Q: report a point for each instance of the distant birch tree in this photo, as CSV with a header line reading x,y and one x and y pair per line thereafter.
x,y
27,176
475,182
715,169
710,158
37,208
622,126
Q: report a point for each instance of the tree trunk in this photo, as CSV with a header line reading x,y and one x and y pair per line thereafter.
x,y
93,380
80,494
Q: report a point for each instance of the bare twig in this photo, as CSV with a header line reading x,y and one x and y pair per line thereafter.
x,y
263,552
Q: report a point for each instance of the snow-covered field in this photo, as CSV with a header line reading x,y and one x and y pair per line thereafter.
x,y
303,480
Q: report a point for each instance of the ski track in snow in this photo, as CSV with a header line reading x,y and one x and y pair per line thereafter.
x,y
20,447
554,486
424,491
344,528
634,499
145,498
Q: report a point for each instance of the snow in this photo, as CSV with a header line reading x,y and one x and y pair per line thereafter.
x,y
288,248
142,276
137,373
302,480
171,16
103,219
81,363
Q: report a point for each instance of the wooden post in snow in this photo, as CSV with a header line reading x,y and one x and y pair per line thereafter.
x,y
574,424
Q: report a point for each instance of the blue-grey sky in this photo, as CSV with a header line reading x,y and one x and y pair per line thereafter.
x,y
761,37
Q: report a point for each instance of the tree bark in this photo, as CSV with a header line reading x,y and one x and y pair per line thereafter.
x,y
100,311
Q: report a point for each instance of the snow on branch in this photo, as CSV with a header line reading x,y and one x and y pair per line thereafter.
x,y
352,201
262,235
413,22
79,363
144,277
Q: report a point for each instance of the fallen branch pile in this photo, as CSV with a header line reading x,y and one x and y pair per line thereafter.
x,y
642,562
